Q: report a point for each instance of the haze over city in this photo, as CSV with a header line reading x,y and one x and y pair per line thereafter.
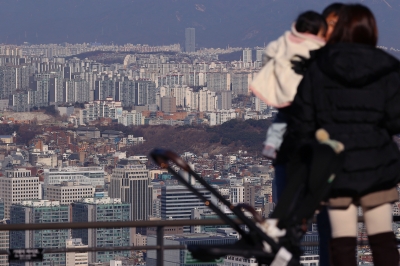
x,y
89,88
218,23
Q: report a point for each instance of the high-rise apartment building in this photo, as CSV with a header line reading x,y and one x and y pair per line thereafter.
x,y
40,211
259,105
18,185
102,210
131,118
225,100
249,194
190,40
259,55
247,56
207,100
168,104
135,92
241,82
4,243
130,182
107,108
14,77
2,209
76,90
218,81
236,194
104,88
179,92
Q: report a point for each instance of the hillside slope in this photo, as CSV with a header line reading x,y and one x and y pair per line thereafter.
x,y
231,136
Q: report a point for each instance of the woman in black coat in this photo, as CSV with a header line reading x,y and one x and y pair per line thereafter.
x,y
352,90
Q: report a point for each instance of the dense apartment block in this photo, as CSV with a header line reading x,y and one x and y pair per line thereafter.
x,y
40,211
4,243
102,210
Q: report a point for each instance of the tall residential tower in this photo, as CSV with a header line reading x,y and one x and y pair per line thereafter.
x,y
190,40
102,210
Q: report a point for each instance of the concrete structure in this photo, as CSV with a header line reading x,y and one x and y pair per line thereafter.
x,y
247,56
190,40
239,261
249,194
40,211
168,104
76,258
138,239
69,191
18,185
1,209
259,55
311,260
206,214
65,110
207,101
177,257
93,175
107,108
102,210
224,100
7,139
219,81
130,182
89,132
4,243
236,194
131,118
259,105
241,82
177,203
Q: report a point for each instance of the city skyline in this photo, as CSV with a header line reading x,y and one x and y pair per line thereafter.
x,y
142,22
89,88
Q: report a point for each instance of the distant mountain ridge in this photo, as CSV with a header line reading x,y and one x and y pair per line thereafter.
x,y
218,23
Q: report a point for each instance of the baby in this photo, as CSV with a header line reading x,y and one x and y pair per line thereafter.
x,y
276,84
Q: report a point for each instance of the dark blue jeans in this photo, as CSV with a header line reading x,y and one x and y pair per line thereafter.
x,y
323,223
279,182
325,236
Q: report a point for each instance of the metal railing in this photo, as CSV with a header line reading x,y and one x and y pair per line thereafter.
x,y
159,224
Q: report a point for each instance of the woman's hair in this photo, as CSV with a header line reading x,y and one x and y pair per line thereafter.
x,y
332,9
311,22
356,24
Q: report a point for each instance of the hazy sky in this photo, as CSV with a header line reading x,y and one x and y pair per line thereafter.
x,y
218,23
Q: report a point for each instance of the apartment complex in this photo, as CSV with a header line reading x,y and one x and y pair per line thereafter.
x,y
102,210
35,212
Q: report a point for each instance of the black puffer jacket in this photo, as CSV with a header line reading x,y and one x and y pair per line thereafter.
x,y
352,91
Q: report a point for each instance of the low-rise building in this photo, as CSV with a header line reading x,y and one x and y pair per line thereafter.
x,y
76,258
69,191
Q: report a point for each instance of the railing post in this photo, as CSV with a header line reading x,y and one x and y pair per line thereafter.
x,y
160,244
